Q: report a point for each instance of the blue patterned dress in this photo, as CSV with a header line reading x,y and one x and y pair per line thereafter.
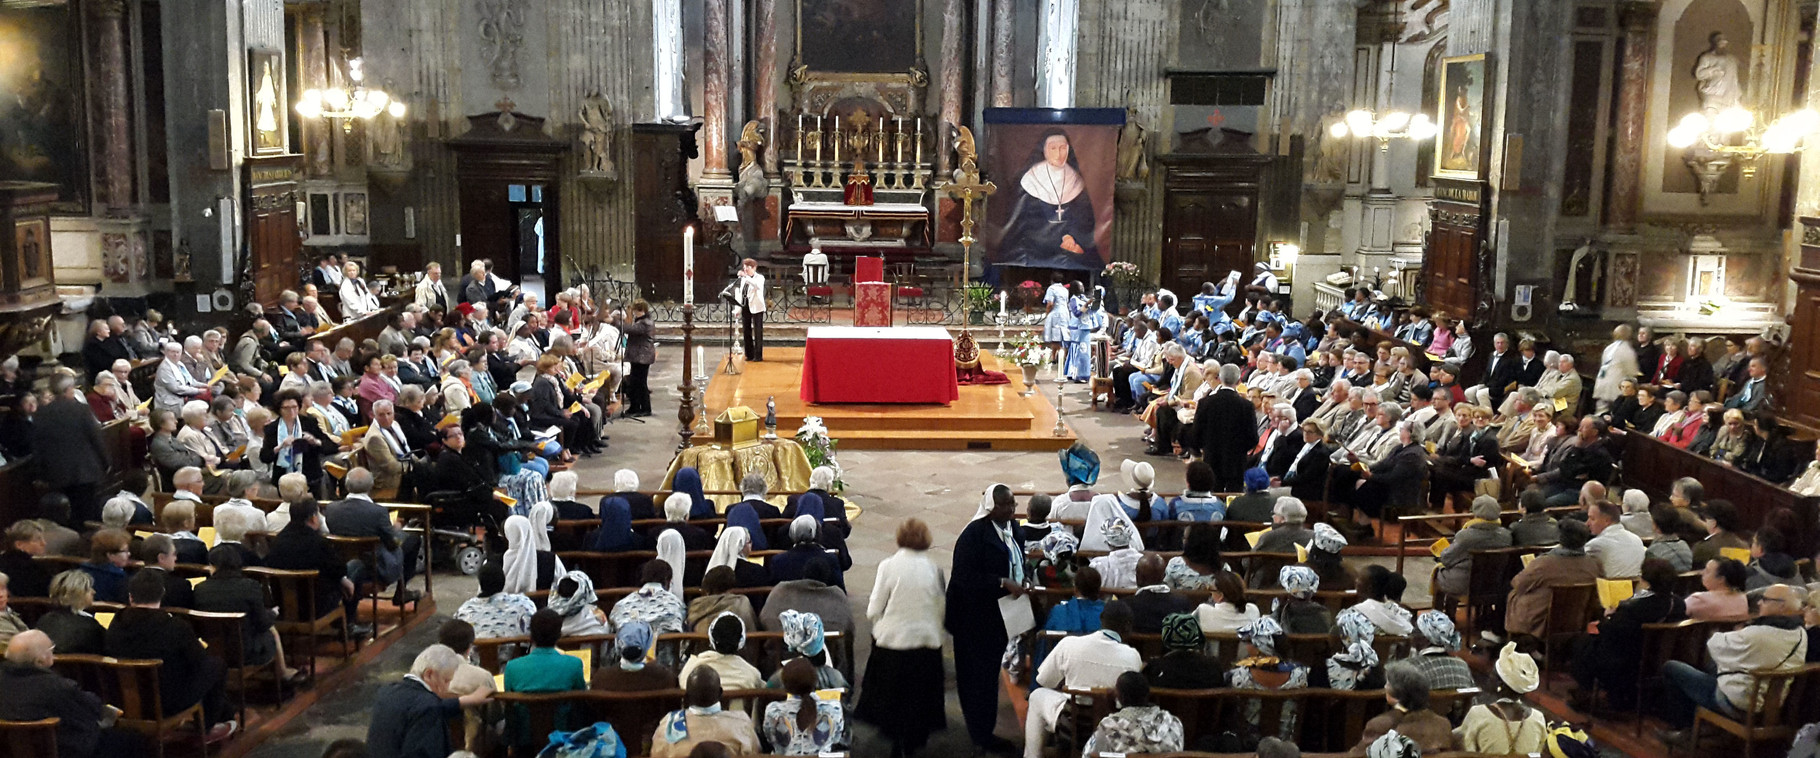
x,y
1056,325
1078,362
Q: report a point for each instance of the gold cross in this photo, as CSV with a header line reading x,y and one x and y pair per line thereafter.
x,y
967,186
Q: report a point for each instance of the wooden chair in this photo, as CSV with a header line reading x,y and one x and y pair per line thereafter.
x,y
1080,717
225,636
30,609
1779,702
297,613
1487,583
1198,710
133,687
28,739
1335,719
366,551
1570,608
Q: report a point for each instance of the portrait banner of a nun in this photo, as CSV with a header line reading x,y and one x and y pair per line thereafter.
x,y
1055,171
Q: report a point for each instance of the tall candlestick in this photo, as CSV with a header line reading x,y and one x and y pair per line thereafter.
x,y
799,138
880,135
688,265
899,139
919,140
818,139
837,139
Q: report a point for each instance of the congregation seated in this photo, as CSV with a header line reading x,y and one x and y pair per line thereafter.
x,y
1484,531
1090,661
1300,613
301,546
1184,665
726,638
411,716
655,603
1509,725
495,612
1535,527
1154,599
158,553
733,551
806,639
810,543
676,515
572,598
1436,641
814,593
1406,688
11,623
1720,521
187,674
24,542
1225,609
1608,658
228,589
821,482
1381,601
1531,592
1137,726
1618,551
1200,563
1774,641
70,625
1724,582
110,551
34,691
804,723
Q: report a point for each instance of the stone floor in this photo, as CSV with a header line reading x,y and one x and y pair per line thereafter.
x,y
942,489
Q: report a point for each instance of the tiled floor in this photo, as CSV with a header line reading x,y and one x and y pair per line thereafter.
x,y
942,489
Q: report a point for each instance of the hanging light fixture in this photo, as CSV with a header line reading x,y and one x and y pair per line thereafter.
x,y
346,105
1364,124
1736,132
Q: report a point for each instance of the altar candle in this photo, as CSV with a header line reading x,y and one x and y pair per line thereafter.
x,y
688,265
699,365
818,139
899,140
1001,306
919,140
881,143
837,139
799,138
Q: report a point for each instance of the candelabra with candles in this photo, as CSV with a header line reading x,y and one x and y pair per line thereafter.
x,y
1061,429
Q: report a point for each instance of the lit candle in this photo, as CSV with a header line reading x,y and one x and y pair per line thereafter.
x,y
688,265
919,142
837,139
900,139
1001,305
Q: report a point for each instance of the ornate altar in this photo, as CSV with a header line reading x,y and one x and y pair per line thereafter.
x,y
736,451
859,180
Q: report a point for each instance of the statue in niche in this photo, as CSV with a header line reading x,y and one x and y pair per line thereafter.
x,y
597,135
1133,157
1593,261
387,140
1716,71
751,184
180,263
502,25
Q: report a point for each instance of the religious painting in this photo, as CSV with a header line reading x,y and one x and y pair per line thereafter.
x,y
32,238
858,36
42,113
354,214
1055,170
1459,148
269,106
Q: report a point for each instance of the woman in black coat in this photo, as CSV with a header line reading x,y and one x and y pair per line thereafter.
x,y
228,590
1609,658
988,565
641,352
308,443
549,405
1396,480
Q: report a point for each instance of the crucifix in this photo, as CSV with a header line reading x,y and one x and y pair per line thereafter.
x,y
967,187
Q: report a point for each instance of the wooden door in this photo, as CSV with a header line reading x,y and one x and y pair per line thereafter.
x,y
271,229
500,150
487,222
660,177
1205,235
1453,267
1797,390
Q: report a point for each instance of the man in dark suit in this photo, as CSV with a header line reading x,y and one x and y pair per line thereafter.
x,y
1530,368
1502,369
25,576
455,472
187,674
1153,601
35,692
300,546
1277,454
1466,458
67,442
100,350
1228,430
293,328
359,516
411,716
1306,475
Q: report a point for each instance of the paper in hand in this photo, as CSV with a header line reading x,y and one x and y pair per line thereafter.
x,y
1019,617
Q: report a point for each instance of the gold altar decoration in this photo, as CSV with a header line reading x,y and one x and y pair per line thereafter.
x,y
736,427
725,462
967,186
966,350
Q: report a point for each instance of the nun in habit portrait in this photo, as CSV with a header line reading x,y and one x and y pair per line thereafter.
x,y
1052,220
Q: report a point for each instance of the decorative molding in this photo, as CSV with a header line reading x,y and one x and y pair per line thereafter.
x,y
501,29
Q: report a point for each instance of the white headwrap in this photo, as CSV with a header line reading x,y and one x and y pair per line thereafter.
x,y
732,545
670,550
1103,509
521,555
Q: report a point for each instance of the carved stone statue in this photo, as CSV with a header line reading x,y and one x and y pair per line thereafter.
x,y
387,140
597,135
1716,70
502,24
1133,155
751,184
1570,297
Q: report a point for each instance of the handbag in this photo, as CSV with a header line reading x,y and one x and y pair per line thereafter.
x,y
597,741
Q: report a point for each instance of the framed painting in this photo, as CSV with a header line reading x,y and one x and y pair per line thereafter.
x,y
1055,170
863,37
268,107
43,116
1460,147
354,214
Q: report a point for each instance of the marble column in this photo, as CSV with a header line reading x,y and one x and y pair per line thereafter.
x,y
1004,44
1630,129
765,104
714,91
112,107
954,22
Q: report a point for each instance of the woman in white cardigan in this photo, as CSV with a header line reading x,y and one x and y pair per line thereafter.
x,y
904,681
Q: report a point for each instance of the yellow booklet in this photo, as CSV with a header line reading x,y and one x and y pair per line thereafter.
x,y
220,374
146,404
594,385
499,682
104,619
450,420
1439,546
284,370
195,580
348,437
1739,554
1527,559
1615,591
239,453
1253,537
575,407
143,534
587,662
574,380
1301,553
504,498
207,535
1518,459
335,470
1560,404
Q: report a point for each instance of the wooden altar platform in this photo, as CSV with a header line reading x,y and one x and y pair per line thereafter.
x,y
994,417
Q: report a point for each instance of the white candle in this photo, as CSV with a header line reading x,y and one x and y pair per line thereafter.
x,y
689,265
1001,304
699,364
799,138
837,139
919,141
898,138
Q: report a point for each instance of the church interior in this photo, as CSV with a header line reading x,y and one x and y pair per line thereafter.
x,y
1426,377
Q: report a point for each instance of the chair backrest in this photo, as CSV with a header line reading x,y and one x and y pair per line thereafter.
x,y
1335,719
223,633
1780,698
295,592
30,609
28,739
815,269
1489,574
1570,607
130,685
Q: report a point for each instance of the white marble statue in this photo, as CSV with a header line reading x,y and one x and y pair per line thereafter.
x,y
1716,70
597,134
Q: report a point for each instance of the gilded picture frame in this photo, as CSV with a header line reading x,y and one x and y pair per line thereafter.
x,y
872,45
268,104
1460,147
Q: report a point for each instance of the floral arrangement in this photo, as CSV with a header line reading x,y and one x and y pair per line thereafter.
x,y
1123,273
819,447
1027,349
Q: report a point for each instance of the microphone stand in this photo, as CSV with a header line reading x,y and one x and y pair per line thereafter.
x,y
726,296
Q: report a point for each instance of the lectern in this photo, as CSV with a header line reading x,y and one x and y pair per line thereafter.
x,y
26,276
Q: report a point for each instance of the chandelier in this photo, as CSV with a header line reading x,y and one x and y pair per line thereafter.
x,y
346,105
1365,124
1737,133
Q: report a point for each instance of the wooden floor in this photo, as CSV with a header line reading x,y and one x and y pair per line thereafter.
x,y
993,417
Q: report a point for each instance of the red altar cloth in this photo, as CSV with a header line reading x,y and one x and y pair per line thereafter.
x,y
872,304
866,365
868,269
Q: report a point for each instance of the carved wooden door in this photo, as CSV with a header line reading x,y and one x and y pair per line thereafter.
x,y
487,222
1205,235
1452,268
1798,391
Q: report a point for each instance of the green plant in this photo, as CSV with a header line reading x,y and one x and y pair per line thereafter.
x,y
978,298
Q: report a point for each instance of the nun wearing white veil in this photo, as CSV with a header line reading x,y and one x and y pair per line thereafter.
x,y
529,567
670,550
1104,510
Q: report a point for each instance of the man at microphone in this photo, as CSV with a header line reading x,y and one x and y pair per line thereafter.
x,y
749,295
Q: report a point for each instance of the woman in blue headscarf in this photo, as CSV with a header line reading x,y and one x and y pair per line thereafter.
x,y
810,504
743,515
615,534
688,480
1082,468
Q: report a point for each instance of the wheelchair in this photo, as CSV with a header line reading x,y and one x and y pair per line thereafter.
x,y
460,536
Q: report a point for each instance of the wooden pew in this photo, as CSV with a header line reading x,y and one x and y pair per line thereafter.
x,y
1653,466
18,478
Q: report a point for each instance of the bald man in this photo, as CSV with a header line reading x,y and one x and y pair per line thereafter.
x,y
1153,601
34,692
1775,641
